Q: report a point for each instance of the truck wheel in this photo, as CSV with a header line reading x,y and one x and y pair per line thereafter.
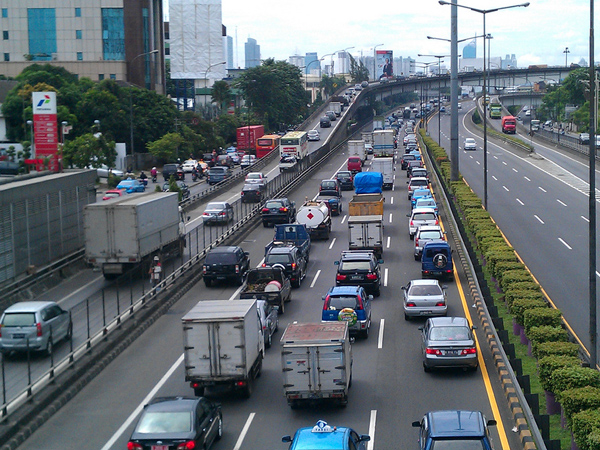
x,y
266,224
199,391
247,392
344,401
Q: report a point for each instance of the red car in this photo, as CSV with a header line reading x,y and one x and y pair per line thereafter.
x,y
112,193
354,164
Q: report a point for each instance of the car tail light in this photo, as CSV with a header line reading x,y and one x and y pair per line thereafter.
x,y
189,445
433,351
134,446
204,270
411,223
440,304
416,242
38,326
469,351
242,194
265,210
411,305
282,209
326,304
371,276
264,265
340,277
293,266
206,214
237,268
222,213
437,222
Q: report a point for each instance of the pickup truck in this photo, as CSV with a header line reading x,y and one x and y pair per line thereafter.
x,y
291,233
270,284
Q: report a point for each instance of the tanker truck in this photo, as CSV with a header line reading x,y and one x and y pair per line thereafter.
x,y
316,218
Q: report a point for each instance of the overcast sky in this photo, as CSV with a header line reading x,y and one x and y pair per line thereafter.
x,y
537,34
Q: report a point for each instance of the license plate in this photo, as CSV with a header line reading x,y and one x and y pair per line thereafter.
x,y
451,352
18,336
356,277
160,447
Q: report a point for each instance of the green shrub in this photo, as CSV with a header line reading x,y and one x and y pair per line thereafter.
x,y
548,364
113,181
593,440
526,286
579,399
490,242
547,340
514,276
541,316
514,293
573,377
585,423
519,307
502,266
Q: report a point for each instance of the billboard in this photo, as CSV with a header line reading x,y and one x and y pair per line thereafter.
x,y
384,63
45,129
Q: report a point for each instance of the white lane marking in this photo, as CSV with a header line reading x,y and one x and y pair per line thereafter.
x,y
385,275
390,217
388,242
344,219
586,219
146,400
504,162
542,189
495,157
392,200
78,290
527,178
505,188
372,421
540,220
562,203
597,273
240,440
520,202
494,178
332,242
565,244
380,338
515,170
315,278
478,163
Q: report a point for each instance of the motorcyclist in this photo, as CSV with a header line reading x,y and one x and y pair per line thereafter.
x,y
143,178
155,272
154,174
194,174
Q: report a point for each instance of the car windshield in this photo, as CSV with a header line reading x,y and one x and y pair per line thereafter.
x,y
425,290
449,334
341,302
165,422
328,185
275,259
22,319
355,265
457,444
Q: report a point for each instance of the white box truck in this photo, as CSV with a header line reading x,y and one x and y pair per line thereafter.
x,y
367,137
357,148
336,107
127,231
383,143
366,233
223,344
385,166
316,359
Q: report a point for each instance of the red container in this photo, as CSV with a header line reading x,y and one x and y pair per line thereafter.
x,y
247,136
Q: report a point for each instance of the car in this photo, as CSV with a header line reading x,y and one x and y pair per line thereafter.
x,y
112,193
359,267
252,192
288,163
216,174
354,306
420,217
290,257
313,135
177,422
227,263
324,122
470,144
256,178
405,159
415,164
419,172
424,298
425,234
331,116
217,212
448,342
183,188
330,187
247,161
210,159
104,170
323,436
416,183
188,166
528,113
333,202
173,169
584,138
269,319
455,429
278,210
418,194
548,124
357,87
442,109
34,326
354,164
426,202
224,160
369,148
436,259
131,186
345,179
235,157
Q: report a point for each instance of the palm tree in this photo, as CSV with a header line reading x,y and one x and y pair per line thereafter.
x,y
221,94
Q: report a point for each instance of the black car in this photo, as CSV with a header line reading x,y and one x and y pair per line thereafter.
x,y
325,122
252,193
278,210
227,264
185,190
359,268
210,159
290,257
173,169
178,422
404,160
330,187
345,180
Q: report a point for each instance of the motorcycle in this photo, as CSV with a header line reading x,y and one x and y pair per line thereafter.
x,y
194,176
154,178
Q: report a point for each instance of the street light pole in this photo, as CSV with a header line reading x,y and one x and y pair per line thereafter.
x,y
439,58
375,61
307,72
206,80
425,66
566,52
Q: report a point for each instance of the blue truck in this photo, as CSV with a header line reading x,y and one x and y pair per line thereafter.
x,y
291,233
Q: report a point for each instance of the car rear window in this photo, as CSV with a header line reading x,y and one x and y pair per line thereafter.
x,y
355,265
435,251
18,319
341,302
215,206
424,290
433,234
328,184
221,258
165,422
424,216
449,334
354,160
275,259
217,171
418,183
272,204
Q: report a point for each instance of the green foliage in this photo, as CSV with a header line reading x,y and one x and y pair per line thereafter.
x,y
514,276
358,71
166,147
221,95
586,429
560,346
573,377
517,293
89,150
548,364
579,399
331,84
226,126
538,317
476,117
519,307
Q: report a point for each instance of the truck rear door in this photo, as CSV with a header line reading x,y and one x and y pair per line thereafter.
x,y
314,369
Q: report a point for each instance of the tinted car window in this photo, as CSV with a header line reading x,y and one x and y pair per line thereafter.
x,y
216,206
431,252
355,265
271,204
221,258
217,171
424,216
433,234
342,302
19,320
425,290
281,259
165,422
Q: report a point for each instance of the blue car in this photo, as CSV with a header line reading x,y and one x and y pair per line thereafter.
x,y
131,186
426,202
416,153
324,436
350,304
419,194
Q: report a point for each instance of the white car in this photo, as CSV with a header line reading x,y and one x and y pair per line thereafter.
x,y
313,135
256,178
247,161
470,144
103,170
189,165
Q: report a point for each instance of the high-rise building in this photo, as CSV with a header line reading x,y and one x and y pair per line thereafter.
x,y
470,50
343,62
310,64
230,63
296,60
251,53
122,42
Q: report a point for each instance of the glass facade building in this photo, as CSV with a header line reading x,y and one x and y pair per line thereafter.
x,y
113,34
41,23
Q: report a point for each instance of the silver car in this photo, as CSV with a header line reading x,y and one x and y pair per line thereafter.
x,y
269,319
421,217
448,342
35,325
424,298
217,212
424,234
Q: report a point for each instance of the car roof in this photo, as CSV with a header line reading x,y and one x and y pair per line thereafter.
x,y
456,423
430,228
281,199
32,306
284,249
172,404
418,179
448,321
215,204
357,255
344,290
305,439
436,242
421,210
226,249
424,282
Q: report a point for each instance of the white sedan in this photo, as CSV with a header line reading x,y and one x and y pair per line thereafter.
x,y
470,144
189,165
313,135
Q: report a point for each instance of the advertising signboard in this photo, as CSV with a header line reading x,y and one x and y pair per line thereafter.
x,y
45,129
384,62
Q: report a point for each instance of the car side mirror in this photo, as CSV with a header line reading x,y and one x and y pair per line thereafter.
x,y
380,261
286,439
408,215
491,422
473,327
420,328
247,253
336,263
364,438
416,424
323,298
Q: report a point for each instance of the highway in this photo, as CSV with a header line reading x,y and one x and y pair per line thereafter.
x,y
540,202
390,388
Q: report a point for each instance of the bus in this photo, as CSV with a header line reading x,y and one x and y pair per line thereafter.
x,y
266,144
295,143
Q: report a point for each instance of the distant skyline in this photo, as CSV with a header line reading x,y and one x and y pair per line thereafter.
x,y
537,34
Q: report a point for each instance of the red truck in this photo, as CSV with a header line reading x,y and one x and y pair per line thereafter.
x,y
509,125
247,136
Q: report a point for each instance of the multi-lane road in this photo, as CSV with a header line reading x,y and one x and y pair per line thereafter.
x,y
390,388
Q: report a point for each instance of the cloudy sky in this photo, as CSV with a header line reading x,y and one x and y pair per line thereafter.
x,y
537,34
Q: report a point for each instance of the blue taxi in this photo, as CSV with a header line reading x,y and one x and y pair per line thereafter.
x,y
325,437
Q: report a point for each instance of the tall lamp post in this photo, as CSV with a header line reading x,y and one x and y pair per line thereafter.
x,y
566,51
131,99
592,196
484,12
375,61
206,80
307,73
439,58
425,66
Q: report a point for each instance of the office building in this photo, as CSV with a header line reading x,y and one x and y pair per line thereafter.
x,y
310,64
251,53
90,40
296,60
229,53
470,50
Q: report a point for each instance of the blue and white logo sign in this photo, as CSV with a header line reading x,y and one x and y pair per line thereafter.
x,y
322,427
44,102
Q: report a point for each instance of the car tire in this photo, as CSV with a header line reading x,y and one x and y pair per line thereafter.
x,y
269,340
377,292
281,310
199,391
426,369
406,317
240,280
207,282
265,224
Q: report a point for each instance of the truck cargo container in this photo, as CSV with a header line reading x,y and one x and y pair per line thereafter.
x,y
378,123
247,137
357,148
383,143
316,217
366,233
336,107
385,166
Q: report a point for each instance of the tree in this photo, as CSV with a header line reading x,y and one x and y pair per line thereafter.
x,y
166,147
221,94
226,126
331,84
358,71
89,150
